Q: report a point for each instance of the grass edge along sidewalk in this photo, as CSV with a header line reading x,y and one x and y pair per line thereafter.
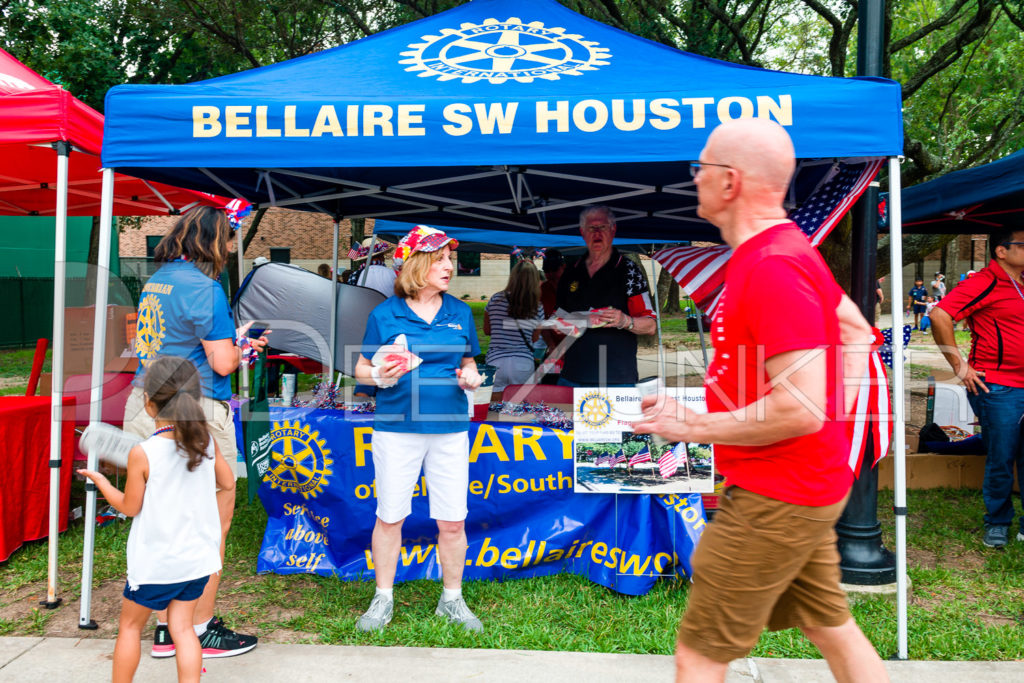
x,y
965,603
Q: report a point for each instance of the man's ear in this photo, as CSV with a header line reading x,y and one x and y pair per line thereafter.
x,y
730,184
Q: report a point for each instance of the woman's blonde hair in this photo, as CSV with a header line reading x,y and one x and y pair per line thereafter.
x,y
412,278
203,236
523,291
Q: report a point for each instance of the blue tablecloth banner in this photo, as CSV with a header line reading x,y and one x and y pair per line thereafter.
x,y
524,519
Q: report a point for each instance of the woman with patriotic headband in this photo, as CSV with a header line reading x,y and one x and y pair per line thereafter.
x,y
422,342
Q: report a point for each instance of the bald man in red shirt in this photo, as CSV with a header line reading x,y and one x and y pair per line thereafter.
x,y
776,402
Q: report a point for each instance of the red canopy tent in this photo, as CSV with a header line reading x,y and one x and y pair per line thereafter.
x,y
36,116
50,166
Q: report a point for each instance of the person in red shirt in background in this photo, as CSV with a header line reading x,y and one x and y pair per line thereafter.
x,y
776,403
992,303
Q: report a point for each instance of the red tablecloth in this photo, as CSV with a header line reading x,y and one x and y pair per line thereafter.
x,y
25,494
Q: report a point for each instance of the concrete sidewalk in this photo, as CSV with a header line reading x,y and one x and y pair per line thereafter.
x,y
51,660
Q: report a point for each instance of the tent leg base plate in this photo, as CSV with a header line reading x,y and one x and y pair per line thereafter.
x,y
54,604
91,626
895,657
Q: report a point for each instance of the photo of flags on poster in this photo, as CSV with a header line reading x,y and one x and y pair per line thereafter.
x,y
610,458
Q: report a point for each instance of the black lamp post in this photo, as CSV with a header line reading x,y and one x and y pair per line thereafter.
x,y
863,559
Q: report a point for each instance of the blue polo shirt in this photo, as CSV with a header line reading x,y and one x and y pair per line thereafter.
x,y
917,294
427,400
181,307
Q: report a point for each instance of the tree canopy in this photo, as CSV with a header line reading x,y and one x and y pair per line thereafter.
x,y
959,61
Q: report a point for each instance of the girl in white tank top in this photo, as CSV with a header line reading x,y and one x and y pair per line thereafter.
x,y
170,491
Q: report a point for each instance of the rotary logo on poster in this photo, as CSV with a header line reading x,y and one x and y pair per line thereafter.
x,y
299,461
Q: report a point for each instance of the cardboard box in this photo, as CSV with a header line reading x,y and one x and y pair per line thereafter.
x,y
78,332
931,471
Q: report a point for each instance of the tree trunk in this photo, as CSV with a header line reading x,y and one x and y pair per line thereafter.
x,y
358,226
668,295
954,262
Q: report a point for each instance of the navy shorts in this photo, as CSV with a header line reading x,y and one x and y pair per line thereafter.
x,y
920,308
157,596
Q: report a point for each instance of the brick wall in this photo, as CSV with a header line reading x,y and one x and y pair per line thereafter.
x,y
309,235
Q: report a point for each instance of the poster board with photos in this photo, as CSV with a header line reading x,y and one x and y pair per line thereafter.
x,y
610,458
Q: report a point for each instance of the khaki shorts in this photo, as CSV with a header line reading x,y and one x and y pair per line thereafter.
x,y
219,420
762,562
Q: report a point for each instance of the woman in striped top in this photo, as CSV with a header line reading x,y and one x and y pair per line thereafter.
x,y
510,319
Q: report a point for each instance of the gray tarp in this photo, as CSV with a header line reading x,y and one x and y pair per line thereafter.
x,y
296,305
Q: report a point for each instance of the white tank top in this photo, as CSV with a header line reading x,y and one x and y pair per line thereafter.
x,y
176,535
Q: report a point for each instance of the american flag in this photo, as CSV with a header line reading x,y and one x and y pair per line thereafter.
x,y
681,452
700,271
643,456
668,463
617,458
873,411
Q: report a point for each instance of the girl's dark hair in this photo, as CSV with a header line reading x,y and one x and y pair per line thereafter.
x,y
203,236
172,385
523,291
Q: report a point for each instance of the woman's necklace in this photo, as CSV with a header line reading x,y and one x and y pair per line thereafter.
x,y
164,430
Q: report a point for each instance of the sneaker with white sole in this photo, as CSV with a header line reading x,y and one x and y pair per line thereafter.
x,y
996,536
457,612
163,646
220,641
378,615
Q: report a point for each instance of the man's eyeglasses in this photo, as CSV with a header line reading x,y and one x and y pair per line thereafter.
x,y
598,227
695,167
1010,244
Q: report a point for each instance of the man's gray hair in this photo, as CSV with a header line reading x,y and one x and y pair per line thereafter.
x,y
593,209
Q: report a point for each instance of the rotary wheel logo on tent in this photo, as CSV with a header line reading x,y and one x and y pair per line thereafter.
x,y
149,336
595,409
500,51
298,460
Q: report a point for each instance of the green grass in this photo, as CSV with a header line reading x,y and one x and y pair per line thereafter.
x,y
965,601
15,367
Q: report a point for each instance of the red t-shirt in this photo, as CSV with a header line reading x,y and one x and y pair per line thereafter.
x,y
995,312
779,296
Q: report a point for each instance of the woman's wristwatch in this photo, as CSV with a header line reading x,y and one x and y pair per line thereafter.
x,y
631,323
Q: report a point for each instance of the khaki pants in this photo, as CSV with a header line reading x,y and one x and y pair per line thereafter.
x,y
219,420
762,562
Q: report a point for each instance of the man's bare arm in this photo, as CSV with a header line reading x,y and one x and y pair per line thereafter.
x,y
943,327
794,407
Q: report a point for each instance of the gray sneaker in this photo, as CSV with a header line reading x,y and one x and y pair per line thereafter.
x,y
378,616
996,536
457,612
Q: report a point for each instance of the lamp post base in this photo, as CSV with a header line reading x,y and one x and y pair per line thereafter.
x,y
863,559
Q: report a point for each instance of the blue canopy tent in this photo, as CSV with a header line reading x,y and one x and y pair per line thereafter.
x,y
504,241
506,113
977,199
